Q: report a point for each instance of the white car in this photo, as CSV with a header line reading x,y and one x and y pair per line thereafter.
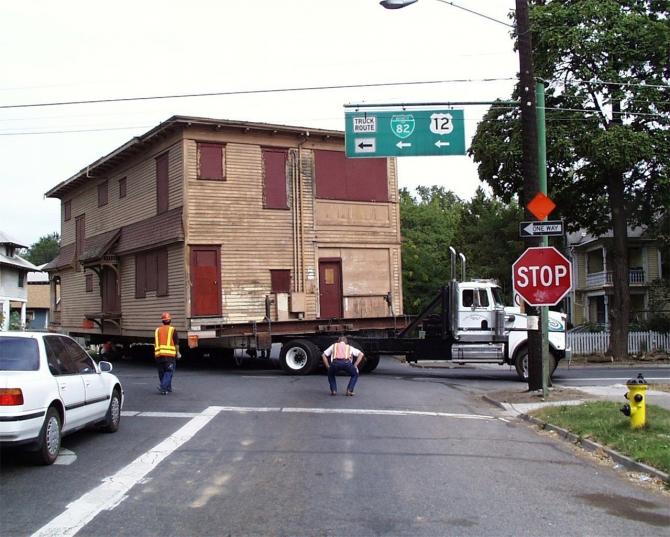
x,y
50,386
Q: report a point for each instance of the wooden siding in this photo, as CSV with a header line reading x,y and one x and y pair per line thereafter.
x,y
652,268
140,200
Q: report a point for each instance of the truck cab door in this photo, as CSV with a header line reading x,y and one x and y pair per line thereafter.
x,y
475,311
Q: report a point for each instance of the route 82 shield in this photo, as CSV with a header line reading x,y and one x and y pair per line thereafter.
x,y
402,125
441,123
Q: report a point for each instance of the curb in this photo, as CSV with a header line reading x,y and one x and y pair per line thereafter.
x,y
590,445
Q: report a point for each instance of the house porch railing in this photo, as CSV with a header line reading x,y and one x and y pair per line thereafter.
x,y
601,279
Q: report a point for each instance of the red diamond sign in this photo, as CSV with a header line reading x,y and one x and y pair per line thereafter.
x,y
542,276
541,206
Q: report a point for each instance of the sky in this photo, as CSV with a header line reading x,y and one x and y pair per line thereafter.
x,y
82,50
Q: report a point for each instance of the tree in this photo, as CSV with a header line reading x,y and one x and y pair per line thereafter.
x,y
428,227
608,135
44,250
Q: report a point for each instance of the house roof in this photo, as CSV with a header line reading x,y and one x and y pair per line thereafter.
x,y
6,239
17,262
138,143
580,238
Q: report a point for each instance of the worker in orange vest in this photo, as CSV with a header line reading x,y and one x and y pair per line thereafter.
x,y
342,355
166,352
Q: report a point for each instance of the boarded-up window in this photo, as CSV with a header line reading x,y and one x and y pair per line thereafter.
x,y
274,178
162,184
340,178
89,283
103,193
210,162
151,273
67,210
80,238
281,280
122,187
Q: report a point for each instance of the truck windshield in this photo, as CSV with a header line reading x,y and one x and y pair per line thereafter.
x,y
19,354
497,296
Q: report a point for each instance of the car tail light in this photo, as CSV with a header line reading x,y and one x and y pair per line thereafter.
x,y
11,396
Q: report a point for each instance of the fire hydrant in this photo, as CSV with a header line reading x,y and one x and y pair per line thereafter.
x,y
636,395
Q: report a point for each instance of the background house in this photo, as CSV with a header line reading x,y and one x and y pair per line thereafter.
x,y
37,310
13,288
591,298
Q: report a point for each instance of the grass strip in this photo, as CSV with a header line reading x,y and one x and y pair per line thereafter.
x,y
602,422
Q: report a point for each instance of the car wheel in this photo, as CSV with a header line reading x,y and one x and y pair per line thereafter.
x,y
49,439
299,357
113,418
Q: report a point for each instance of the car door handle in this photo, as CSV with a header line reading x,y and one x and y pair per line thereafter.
x,y
63,386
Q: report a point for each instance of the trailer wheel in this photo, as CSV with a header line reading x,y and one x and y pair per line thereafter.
x,y
369,364
521,364
299,357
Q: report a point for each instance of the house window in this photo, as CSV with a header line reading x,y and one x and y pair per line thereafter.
x,y
274,179
103,193
89,283
22,279
211,164
162,184
80,238
340,178
67,210
281,280
122,187
151,273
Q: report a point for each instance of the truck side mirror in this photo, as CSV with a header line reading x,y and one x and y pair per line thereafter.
x,y
510,318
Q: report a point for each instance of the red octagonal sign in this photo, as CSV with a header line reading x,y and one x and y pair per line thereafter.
x,y
542,276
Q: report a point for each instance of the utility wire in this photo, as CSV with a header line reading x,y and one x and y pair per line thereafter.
x,y
476,13
251,92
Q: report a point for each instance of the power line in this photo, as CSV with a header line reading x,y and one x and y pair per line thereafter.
x,y
252,92
607,83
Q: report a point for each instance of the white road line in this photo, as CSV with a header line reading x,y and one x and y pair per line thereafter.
x,y
298,410
113,489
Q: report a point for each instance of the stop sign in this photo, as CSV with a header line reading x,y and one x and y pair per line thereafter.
x,y
542,276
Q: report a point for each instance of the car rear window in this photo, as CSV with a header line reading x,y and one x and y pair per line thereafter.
x,y
19,354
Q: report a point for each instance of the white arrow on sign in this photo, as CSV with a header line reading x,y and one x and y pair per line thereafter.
x,y
402,145
441,144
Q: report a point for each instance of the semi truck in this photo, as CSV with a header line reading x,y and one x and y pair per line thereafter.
x,y
466,322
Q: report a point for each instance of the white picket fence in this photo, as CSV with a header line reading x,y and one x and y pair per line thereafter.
x,y
638,342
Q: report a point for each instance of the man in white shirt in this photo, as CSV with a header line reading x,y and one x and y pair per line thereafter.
x,y
342,360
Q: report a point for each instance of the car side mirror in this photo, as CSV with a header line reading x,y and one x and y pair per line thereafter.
x,y
105,367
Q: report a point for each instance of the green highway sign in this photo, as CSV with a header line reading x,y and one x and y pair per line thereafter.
x,y
404,133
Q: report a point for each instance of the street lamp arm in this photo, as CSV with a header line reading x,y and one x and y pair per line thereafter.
x,y
397,4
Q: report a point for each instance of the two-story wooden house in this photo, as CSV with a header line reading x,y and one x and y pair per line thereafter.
x,y
13,289
223,222
592,261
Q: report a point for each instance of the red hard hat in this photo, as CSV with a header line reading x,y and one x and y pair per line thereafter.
x,y
166,316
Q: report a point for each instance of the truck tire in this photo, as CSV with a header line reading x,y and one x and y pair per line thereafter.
x,y
521,364
369,364
299,357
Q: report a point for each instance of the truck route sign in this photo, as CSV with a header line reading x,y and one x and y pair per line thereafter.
x,y
542,276
404,133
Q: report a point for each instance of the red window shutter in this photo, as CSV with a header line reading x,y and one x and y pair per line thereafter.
x,y
162,184
140,276
210,161
340,178
103,190
281,280
122,187
89,283
274,178
67,210
162,266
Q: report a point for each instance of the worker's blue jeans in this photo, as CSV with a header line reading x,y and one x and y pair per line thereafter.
x,y
166,367
342,365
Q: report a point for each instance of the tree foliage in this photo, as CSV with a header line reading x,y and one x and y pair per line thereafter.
x,y
607,121
44,250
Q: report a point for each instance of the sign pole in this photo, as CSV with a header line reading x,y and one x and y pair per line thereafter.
x,y
542,176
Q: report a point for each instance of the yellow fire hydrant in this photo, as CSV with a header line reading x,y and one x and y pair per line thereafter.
x,y
636,395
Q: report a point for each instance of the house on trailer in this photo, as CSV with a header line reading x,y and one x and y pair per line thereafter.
x,y
591,299
37,309
223,222
13,290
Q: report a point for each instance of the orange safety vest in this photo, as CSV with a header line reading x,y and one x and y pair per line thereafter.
x,y
341,351
164,346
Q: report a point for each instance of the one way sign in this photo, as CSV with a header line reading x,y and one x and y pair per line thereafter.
x,y
543,228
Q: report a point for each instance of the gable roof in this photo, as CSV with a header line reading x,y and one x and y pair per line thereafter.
x,y
6,239
139,143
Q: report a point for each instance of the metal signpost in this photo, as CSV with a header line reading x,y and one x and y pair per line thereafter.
x,y
404,133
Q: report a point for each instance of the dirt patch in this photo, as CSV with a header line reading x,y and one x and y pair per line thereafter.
x,y
524,396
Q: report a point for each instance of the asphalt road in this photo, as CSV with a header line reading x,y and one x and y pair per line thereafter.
x,y
251,451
